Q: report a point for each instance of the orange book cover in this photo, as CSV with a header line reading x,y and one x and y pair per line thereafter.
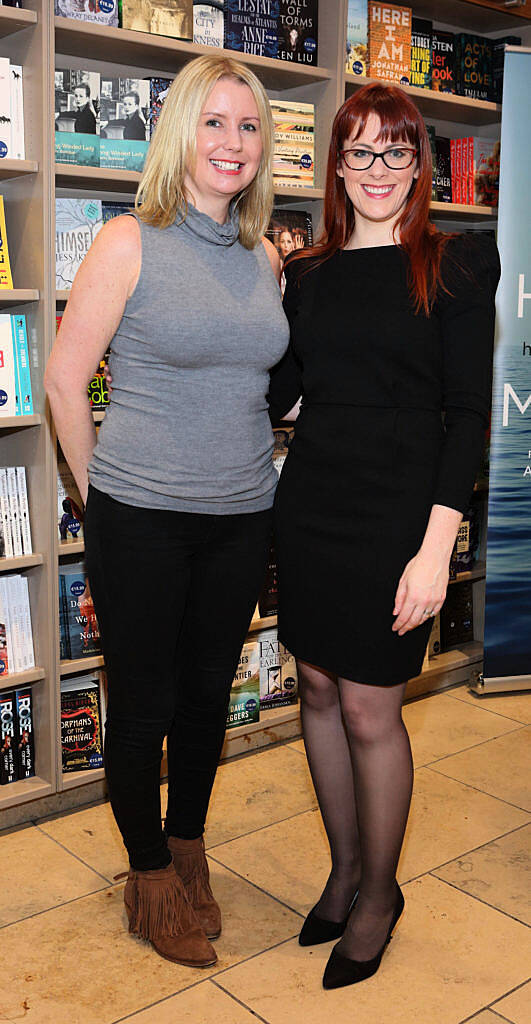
x,y
389,42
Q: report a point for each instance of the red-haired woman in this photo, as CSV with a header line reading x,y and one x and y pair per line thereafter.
x,y
392,324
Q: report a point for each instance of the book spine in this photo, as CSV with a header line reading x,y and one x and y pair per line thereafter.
x,y
27,631
453,173
18,151
457,161
25,527
8,403
14,510
6,280
8,731
25,733
470,171
64,636
5,108
4,510
6,615
22,360
17,622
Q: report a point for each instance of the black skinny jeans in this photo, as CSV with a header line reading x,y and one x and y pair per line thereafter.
x,y
174,593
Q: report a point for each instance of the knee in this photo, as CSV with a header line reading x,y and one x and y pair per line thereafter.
x,y
318,693
364,725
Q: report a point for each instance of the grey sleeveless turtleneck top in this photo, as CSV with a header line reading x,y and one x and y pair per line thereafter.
x,y
188,426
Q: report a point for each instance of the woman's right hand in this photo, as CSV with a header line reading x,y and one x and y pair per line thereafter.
x,y
108,377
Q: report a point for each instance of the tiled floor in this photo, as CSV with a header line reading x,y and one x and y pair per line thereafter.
x,y
462,951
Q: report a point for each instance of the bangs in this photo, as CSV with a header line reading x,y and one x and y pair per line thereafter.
x,y
398,123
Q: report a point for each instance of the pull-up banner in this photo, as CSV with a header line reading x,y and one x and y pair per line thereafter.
x,y
508,591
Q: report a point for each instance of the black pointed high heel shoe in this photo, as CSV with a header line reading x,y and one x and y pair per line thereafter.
x,y
317,929
341,970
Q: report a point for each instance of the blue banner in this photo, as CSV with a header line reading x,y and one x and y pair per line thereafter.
x,y
508,586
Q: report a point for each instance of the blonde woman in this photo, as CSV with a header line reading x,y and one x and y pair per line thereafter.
x,y
180,481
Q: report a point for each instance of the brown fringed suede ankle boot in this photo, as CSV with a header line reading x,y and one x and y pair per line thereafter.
x,y
159,910
191,865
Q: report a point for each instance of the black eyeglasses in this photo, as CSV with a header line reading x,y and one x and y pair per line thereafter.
x,y
397,158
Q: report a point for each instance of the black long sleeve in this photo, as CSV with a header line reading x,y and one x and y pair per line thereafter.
x,y
286,377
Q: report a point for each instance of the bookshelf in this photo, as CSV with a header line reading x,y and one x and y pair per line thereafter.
x,y
35,38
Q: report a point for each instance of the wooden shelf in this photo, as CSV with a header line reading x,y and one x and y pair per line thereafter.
x,y
15,679
20,562
17,296
13,20
268,718
460,657
72,779
71,667
285,192
122,46
98,415
459,211
443,105
10,422
477,573
474,15
14,168
23,791
266,623
71,547
62,294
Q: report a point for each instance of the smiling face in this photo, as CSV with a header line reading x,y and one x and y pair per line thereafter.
x,y
378,194
286,243
228,147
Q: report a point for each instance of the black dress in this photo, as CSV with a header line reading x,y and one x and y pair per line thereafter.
x,y
370,454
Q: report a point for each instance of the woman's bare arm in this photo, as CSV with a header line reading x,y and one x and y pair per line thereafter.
x,y
103,283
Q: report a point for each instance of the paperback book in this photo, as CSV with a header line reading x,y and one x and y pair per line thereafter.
x,y
294,155
389,42
162,17
69,504
443,178
110,209
357,55
80,635
483,171
77,127
124,121
421,32
158,90
289,230
81,723
473,66
15,615
209,25
15,526
102,12
77,222
430,128
8,730
442,61
16,397
244,703
298,31
25,733
17,149
498,62
268,598
252,26
5,108
278,672
6,279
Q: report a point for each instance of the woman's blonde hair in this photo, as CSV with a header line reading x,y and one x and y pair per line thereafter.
x,y
161,193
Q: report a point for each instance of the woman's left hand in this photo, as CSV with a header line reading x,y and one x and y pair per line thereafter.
x,y
421,591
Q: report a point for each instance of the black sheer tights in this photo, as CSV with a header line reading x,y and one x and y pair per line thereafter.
x,y
360,760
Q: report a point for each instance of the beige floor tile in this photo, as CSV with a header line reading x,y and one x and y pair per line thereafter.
x,y
271,857
92,834
439,726
499,767
516,1007
78,963
256,791
512,705
298,745
485,1017
37,875
498,873
433,971
203,1004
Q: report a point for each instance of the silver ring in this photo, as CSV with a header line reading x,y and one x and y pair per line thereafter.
x,y
427,614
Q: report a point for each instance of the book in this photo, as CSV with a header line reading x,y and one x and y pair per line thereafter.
x,y
498,61
25,733
389,42
158,90
282,438
110,209
244,703
8,756
77,126
252,26
16,618
6,634
430,128
81,728
421,32
483,171
161,17
442,61
69,505
268,597
9,397
102,12
5,515
77,222
298,31
22,371
124,122
278,671
17,149
6,280
5,108
23,504
434,643
457,616
294,154
357,53
443,178
473,66
4,657
82,636
289,230
209,24
14,510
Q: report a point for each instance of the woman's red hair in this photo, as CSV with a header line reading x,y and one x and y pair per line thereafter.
x,y
400,121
